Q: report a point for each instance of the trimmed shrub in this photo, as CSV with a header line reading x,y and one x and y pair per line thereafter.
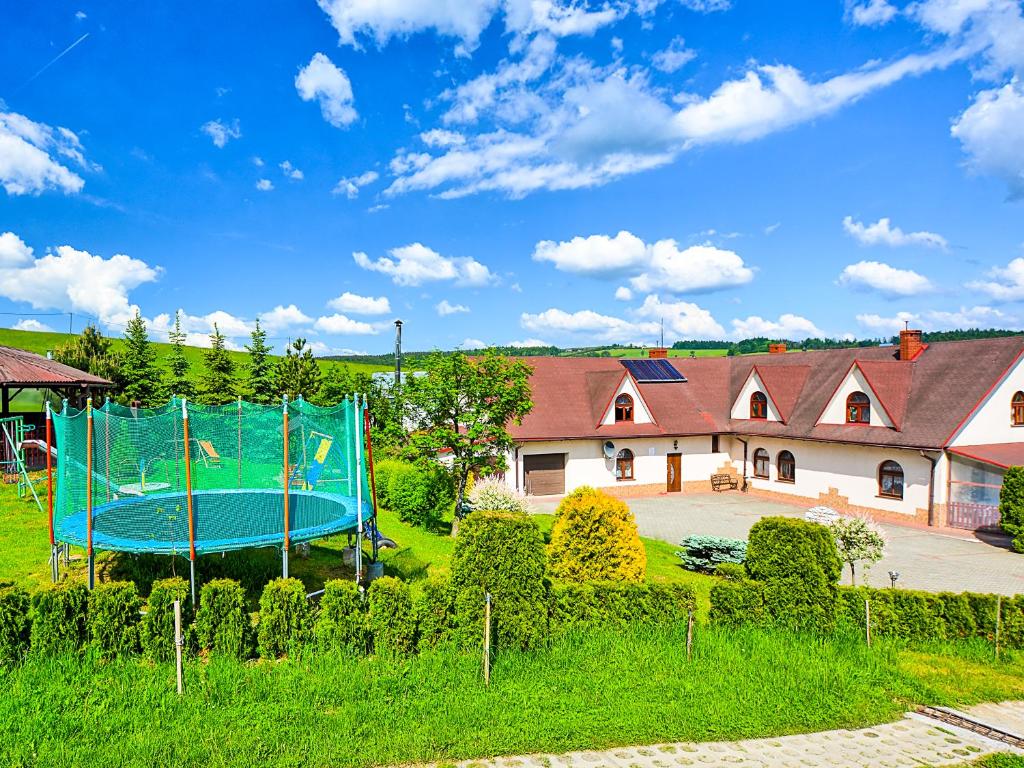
x,y
342,621
705,553
391,617
222,624
14,624
494,495
983,608
156,633
382,473
420,494
619,604
59,618
1011,506
957,615
501,553
113,618
731,571
284,623
435,612
594,538
738,602
799,566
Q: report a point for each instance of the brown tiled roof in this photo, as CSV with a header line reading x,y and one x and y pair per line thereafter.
x,y
927,398
21,368
1003,455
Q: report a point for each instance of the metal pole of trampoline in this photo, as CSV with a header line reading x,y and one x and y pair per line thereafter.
x,y
106,440
239,441
284,551
88,494
188,502
373,479
357,434
55,560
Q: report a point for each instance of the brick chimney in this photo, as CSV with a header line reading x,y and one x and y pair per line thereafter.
x,y
777,349
657,353
910,344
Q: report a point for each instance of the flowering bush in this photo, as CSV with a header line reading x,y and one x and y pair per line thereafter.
x,y
858,539
494,495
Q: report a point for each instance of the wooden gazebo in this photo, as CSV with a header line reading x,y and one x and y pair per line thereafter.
x,y
21,370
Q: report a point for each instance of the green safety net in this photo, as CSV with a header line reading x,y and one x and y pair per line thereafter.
x,y
142,475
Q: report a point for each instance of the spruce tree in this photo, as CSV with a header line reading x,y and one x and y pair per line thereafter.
x,y
260,386
178,382
219,372
298,372
138,367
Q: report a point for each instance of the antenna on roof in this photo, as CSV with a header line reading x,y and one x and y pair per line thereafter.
x,y
662,333
906,325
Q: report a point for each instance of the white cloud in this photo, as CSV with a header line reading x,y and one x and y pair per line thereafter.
x,y
622,293
883,233
991,132
590,323
445,308
281,318
528,343
660,266
322,349
351,186
221,133
80,15
707,6
872,13
264,185
344,326
330,86
439,137
1004,283
770,229
415,264
258,161
30,324
473,344
69,279
360,305
881,324
682,319
940,320
992,28
673,58
34,157
885,279
198,328
788,326
291,171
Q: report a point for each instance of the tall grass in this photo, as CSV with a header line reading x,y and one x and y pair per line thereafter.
x,y
586,691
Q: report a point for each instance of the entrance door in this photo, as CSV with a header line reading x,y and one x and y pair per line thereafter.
x,y
544,474
674,473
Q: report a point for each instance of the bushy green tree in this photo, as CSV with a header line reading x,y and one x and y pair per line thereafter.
x,y
92,352
298,372
219,372
260,387
594,538
1011,506
857,539
138,365
178,381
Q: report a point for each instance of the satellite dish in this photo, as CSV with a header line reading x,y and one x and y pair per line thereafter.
x,y
609,449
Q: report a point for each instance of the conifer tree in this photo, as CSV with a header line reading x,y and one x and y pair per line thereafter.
x,y
138,366
260,387
298,373
219,372
178,381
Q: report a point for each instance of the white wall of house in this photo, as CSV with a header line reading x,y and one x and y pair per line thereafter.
x,y
587,465
741,408
991,423
835,411
850,469
641,415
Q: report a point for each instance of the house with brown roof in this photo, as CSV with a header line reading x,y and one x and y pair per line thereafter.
x,y
915,431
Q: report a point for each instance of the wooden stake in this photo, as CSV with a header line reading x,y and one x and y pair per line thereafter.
x,y
867,620
689,635
487,640
999,621
178,643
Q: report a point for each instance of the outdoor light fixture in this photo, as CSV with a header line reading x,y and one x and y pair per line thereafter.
x,y
675,445
893,575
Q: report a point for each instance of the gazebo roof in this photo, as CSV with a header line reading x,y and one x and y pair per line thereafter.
x,y
19,368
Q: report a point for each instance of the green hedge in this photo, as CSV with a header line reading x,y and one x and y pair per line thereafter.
x,y
156,632
285,619
113,618
222,624
435,612
392,620
342,621
59,618
14,624
616,603
420,494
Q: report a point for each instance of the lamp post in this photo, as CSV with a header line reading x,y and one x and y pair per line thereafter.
x,y
893,576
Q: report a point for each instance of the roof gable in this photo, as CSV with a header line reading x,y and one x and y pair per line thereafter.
x,y
783,384
890,381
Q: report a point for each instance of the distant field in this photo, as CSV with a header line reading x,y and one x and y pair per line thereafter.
x,y
637,352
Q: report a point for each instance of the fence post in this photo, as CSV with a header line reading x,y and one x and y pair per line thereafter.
x,y
867,620
689,635
178,643
999,621
487,640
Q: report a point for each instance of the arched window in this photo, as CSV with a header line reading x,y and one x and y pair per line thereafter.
x,y
858,408
1017,409
624,465
787,467
890,480
761,462
623,408
758,406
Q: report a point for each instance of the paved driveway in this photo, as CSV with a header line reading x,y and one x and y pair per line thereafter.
x,y
935,561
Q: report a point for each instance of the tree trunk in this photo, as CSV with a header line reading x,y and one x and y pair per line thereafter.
x,y
853,575
461,477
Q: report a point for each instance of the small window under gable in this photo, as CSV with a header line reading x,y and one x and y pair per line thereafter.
x,y
753,401
1017,409
855,402
625,405
758,405
623,408
858,408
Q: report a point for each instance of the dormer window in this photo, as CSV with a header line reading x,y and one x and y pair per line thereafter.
x,y
1017,409
758,406
858,408
623,408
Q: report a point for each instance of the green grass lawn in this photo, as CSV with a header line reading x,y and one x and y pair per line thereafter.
x,y
638,352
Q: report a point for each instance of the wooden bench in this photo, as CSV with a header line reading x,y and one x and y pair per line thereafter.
x,y
723,483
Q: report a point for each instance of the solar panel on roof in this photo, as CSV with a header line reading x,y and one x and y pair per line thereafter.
x,y
652,371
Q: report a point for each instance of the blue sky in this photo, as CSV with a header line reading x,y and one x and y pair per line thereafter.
x,y
513,171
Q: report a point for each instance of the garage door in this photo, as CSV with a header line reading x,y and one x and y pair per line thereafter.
x,y
545,473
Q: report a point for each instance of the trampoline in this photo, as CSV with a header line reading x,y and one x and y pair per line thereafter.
x,y
187,480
